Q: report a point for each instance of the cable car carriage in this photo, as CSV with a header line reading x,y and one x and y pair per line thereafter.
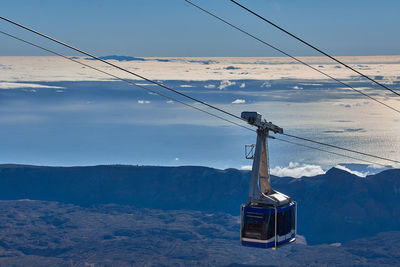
x,y
268,220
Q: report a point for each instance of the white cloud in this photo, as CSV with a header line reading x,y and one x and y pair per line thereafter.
x,y
360,88
239,101
177,159
10,85
389,80
342,105
296,170
169,102
209,86
266,84
246,167
243,85
143,84
143,102
350,105
359,174
225,83
375,166
186,85
312,84
297,88
362,103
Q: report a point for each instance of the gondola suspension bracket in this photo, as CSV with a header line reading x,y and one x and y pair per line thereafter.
x,y
268,220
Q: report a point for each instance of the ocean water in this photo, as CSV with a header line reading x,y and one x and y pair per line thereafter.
x,y
110,122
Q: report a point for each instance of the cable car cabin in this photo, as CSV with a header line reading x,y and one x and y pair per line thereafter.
x,y
268,226
268,220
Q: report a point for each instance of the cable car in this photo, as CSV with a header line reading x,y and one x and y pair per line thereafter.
x,y
269,218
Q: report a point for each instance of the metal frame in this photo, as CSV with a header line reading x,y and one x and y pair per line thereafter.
x,y
276,228
260,190
241,222
295,220
249,151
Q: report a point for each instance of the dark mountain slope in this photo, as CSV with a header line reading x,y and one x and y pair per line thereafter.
x,y
195,188
333,207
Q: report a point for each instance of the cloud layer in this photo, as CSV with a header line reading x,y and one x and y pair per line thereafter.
x,y
296,170
239,101
13,85
225,83
359,174
191,69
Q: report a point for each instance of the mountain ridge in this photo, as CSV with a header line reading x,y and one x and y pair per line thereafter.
x,y
333,207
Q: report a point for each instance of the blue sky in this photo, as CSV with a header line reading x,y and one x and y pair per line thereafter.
x,y
63,120
174,28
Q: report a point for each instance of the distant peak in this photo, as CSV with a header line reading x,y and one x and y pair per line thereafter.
x,y
339,172
120,58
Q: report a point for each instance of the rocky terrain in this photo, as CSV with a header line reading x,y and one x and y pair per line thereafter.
x,y
155,216
43,233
